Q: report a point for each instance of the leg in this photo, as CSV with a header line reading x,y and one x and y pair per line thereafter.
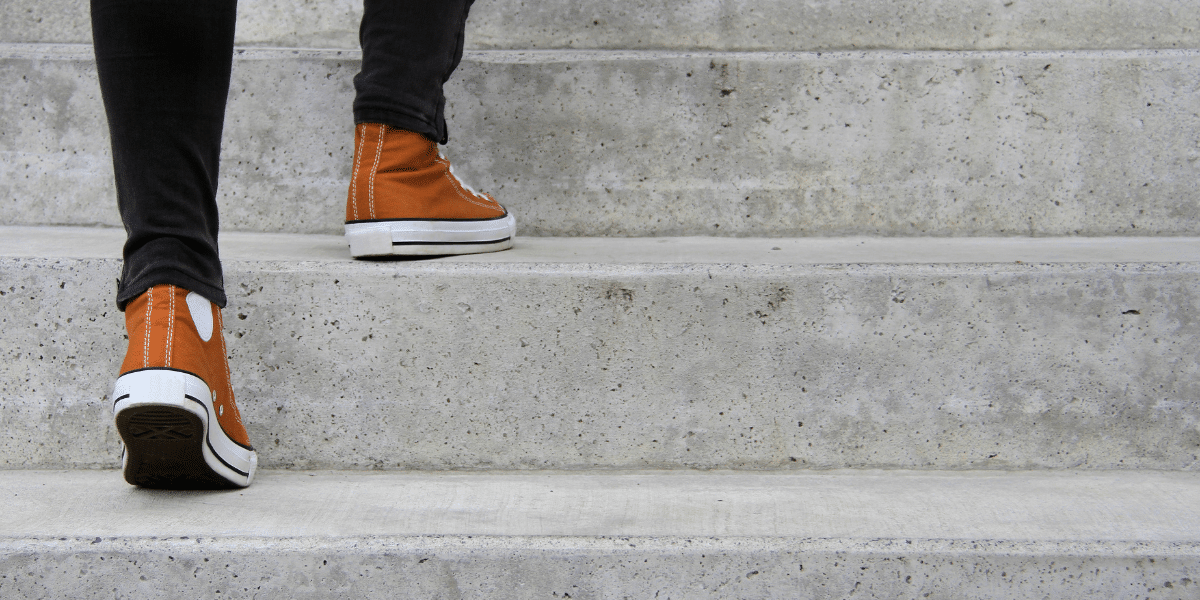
x,y
404,198
164,74
410,48
164,69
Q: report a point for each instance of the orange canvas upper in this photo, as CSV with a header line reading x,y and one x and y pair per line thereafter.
x,y
398,174
163,335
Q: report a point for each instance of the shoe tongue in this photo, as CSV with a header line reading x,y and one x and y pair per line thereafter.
x,y
202,317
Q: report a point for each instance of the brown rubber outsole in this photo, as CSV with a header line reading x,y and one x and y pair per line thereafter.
x,y
164,449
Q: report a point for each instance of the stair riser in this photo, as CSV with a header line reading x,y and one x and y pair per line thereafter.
x,y
700,24
444,366
596,144
515,567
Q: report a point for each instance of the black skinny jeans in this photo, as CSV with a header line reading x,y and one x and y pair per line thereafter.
x,y
164,68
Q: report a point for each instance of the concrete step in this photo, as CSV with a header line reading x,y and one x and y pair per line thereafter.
x,y
607,535
667,144
646,353
702,24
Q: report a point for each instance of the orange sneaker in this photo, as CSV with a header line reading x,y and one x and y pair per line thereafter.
x,y
405,199
173,401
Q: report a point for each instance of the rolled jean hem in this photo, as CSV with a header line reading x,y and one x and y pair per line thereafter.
x,y
132,289
399,121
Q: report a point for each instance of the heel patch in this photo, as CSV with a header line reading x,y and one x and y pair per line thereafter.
x,y
202,314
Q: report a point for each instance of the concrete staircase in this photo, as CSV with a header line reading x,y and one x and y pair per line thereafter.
x,y
812,300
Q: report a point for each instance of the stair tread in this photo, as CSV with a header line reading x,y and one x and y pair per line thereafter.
x,y
1072,506
102,243
973,24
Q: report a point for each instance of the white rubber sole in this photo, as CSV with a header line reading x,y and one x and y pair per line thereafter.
x,y
172,439
430,238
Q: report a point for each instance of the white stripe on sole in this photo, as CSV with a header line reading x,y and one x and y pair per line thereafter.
x,y
425,238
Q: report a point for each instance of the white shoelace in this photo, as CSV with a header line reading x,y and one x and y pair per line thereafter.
x,y
465,185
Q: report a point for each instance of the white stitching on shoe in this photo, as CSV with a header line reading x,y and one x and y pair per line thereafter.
x,y
146,343
465,185
362,139
170,325
375,171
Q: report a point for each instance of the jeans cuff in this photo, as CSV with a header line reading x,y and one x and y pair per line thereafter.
x,y
433,131
127,290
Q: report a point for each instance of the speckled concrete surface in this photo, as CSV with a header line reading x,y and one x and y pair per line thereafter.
x,y
458,364
606,568
737,144
669,535
777,355
702,24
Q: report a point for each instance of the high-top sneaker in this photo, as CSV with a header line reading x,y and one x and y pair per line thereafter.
x,y
405,199
173,401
